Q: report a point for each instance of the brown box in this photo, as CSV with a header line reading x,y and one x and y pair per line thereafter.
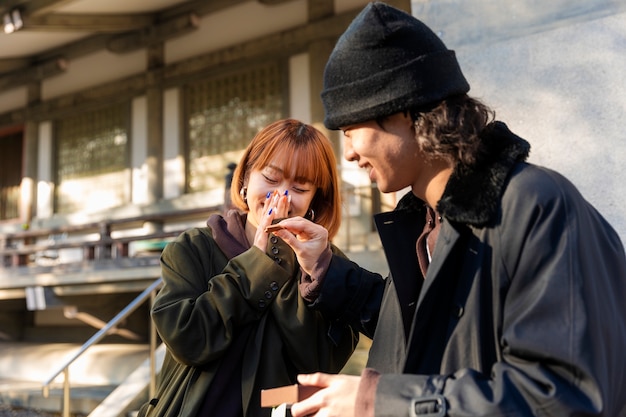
x,y
288,394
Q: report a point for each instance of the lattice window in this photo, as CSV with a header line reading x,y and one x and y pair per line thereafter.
x,y
92,160
223,114
10,175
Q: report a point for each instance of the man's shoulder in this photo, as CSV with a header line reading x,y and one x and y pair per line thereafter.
x,y
534,179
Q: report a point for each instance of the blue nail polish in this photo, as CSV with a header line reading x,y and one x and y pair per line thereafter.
x,y
269,193
286,192
270,212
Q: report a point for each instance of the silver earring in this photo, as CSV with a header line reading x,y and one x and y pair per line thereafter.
x,y
244,194
310,215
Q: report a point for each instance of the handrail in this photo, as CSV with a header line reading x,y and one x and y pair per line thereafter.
x,y
97,337
16,247
110,223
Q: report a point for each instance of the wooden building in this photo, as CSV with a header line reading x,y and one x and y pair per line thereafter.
x,y
119,121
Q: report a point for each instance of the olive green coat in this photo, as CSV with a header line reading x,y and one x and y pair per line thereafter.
x,y
207,300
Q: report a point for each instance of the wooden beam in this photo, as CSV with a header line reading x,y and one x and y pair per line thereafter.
x,y
39,7
33,73
283,43
320,9
272,2
11,64
178,20
87,22
286,42
199,7
172,28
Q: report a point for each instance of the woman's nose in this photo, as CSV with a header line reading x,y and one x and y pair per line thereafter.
x,y
283,190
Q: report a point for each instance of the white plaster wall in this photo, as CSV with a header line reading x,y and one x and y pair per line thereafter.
x,y
556,75
299,91
15,98
93,69
174,167
565,92
235,25
139,153
45,190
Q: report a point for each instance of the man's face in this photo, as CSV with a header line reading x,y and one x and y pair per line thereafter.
x,y
388,151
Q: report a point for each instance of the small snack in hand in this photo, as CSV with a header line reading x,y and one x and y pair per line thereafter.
x,y
272,228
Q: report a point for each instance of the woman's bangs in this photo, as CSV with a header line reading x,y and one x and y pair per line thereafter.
x,y
306,164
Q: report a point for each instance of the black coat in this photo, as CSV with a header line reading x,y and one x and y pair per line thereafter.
x,y
522,311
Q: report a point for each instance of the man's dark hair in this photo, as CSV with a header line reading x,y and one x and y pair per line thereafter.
x,y
451,130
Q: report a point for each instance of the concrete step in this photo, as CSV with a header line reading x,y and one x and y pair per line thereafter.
x,y
25,366
28,395
126,399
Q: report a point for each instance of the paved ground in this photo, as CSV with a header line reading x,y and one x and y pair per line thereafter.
x,y
9,411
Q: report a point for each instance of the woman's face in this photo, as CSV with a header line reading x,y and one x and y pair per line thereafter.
x,y
271,179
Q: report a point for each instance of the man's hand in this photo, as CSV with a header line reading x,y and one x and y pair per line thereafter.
x,y
307,239
336,398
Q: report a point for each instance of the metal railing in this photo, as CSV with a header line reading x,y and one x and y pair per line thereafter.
x,y
149,292
18,248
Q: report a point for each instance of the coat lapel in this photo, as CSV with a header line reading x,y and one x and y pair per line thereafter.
x,y
402,258
431,318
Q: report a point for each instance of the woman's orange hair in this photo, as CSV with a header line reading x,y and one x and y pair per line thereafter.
x,y
310,157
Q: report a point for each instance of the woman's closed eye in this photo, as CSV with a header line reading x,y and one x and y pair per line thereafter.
x,y
270,179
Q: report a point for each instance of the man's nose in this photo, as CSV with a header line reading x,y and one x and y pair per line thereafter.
x,y
348,151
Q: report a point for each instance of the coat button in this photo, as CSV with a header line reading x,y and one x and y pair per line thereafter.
x,y
274,250
278,260
268,294
274,239
274,286
457,311
262,303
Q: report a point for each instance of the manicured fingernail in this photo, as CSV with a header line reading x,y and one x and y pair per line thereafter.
x,y
286,192
270,212
269,193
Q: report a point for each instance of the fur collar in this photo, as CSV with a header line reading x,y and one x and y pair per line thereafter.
x,y
473,193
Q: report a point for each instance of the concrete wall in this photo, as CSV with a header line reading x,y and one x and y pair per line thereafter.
x,y
555,72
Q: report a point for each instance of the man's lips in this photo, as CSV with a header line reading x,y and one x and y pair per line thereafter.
x,y
369,169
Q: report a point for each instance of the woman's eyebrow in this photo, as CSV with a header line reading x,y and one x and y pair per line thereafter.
x,y
274,167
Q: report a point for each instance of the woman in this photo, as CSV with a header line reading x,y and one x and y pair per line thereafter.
x,y
229,311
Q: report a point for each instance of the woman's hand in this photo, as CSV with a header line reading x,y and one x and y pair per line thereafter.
x,y
276,207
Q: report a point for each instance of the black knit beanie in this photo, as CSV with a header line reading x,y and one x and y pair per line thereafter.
x,y
386,62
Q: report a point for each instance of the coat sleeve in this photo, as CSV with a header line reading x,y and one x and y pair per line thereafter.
x,y
303,331
559,273
206,299
350,297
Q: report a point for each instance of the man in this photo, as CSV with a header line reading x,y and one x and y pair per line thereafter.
x,y
507,290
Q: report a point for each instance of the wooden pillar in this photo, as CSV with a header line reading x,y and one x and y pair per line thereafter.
x,y
320,9
154,98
